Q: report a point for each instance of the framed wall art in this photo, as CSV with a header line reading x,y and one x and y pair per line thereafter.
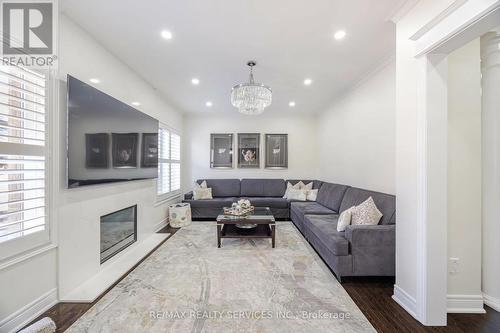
x,y
221,151
248,150
276,151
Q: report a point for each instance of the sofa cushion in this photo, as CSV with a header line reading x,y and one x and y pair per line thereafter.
x,y
324,227
301,208
263,187
223,187
330,195
215,202
316,183
268,202
385,203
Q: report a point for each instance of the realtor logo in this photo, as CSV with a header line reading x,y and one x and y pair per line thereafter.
x,y
28,32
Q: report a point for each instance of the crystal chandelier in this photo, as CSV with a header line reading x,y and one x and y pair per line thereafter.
x,y
251,98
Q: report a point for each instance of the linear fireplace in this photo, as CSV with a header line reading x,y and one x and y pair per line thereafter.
x,y
118,230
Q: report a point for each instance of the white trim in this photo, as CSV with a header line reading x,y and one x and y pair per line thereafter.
x,y
492,302
160,225
162,201
402,10
465,304
406,301
23,316
20,258
437,19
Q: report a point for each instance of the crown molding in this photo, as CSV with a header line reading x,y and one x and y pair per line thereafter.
x,y
438,18
402,10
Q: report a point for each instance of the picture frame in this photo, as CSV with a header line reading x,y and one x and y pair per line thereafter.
x,y
97,150
276,151
248,150
221,151
149,151
125,150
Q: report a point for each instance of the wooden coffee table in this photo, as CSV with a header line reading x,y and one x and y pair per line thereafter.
x,y
230,226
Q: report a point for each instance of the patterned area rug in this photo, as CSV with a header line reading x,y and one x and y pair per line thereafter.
x,y
190,285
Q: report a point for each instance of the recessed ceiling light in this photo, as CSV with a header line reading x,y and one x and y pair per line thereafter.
x,y
195,81
291,104
136,103
94,80
339,35
308,82
166,34
208,104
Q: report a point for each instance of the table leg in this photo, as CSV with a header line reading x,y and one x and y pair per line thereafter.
x,y
219,231
273,235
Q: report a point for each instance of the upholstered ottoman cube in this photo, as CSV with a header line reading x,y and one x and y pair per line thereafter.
x,y
179,215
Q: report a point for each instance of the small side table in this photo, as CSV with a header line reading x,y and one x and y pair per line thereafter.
x,y
179,215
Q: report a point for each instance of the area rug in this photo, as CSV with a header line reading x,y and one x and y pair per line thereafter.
x,y
190,285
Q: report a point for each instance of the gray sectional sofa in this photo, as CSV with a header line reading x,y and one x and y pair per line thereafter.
x,y
359,251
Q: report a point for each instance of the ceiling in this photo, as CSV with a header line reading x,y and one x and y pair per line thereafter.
x,y
291,40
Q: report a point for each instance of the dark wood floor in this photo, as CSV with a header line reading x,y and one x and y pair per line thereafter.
x,y
371,295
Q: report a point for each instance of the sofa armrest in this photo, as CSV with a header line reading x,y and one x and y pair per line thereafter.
x,y
371,235
188,196
373,249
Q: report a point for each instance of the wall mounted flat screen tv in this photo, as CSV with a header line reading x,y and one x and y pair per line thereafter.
x,y
108,140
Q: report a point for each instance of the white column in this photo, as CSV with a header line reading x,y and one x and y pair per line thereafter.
x,y
490,63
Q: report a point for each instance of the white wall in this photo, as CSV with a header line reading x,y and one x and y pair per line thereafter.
x,y
464,169
81,208
30,286
302,145
356,136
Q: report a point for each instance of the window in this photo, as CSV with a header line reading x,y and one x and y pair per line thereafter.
x,y
169,163
22,155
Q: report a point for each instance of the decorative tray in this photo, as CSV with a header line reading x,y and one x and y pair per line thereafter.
x,y
234,212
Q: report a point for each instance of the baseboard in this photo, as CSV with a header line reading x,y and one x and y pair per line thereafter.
x,y
465,304
23,316
160,225
405,301
492,302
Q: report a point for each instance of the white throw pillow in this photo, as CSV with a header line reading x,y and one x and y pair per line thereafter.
x,y
202,193
366,213
290,186
307,186
312,195
295,194
344,219
202,185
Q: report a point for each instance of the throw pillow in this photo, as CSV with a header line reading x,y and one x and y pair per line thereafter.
x,y
290,186
312,195
202,185
366,213
344,219
295,194
202,193
307,186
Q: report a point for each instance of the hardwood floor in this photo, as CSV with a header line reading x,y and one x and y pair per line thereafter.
x,y
371,295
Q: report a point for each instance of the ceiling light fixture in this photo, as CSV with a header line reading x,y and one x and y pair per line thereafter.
x,y
291,104
136,103
208,104
94,80
251,98
308,82
195,81
339,35
166,34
